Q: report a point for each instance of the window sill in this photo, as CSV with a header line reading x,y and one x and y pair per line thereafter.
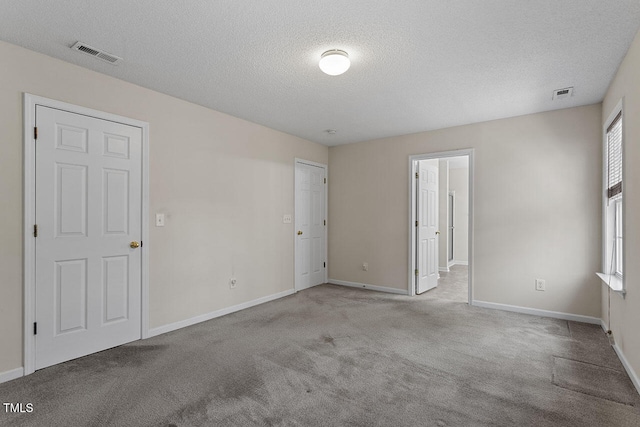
x,y
614,282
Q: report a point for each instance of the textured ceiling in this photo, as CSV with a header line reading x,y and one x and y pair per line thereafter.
x,y
416,64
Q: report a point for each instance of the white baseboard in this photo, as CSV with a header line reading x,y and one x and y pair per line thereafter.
x,y
218,313
538,312
370,287
627,366
460,262
11,375
444,269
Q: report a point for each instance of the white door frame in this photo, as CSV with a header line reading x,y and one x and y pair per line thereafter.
x,y
411,289
30,103
297,161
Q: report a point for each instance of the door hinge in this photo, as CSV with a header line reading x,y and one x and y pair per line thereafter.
x,y
416,272
416,223
324,264
35,230
35,132
325,222
325,180
417,176
35,328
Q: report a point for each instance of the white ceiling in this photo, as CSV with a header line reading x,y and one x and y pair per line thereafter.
x,y
416,64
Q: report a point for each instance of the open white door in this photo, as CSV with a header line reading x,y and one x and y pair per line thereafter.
x,y
427,226
310,263
87,249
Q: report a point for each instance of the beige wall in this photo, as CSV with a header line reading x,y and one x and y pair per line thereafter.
x,y
535,208
625,313
459,182
223,183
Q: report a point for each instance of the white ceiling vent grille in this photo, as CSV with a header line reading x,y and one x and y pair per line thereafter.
x,y
562,93
96,53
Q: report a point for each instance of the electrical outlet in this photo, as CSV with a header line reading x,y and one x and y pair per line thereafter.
x,y
365,266
233,282
159,220
540,285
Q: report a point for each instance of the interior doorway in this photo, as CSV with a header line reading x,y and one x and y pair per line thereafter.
x,y
310,224
86,209
427,226
451,240
447,248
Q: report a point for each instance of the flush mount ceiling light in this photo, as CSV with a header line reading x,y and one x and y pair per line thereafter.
x,y
334,62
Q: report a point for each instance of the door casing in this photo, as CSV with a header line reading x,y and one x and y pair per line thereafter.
x,y
413,163
29,103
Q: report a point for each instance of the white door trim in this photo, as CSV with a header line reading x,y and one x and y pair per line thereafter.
x,y
411,289
30,102
326,215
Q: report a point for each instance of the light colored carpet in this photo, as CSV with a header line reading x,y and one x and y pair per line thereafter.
x,y
453,285
332,356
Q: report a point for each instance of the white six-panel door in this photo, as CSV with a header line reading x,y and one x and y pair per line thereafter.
x,y
310,225
427,237
88,212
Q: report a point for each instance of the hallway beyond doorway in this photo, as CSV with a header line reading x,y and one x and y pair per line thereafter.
x,y
452,285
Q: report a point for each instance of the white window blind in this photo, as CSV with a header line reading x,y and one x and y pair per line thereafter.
x,y
614,157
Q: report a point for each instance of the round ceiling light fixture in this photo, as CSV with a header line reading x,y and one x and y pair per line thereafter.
x,y
334,62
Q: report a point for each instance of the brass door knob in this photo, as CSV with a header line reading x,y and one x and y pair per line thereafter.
x,y
437,232
134,245
299,233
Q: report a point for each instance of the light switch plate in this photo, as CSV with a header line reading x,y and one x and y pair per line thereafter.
x,y
286,218
159,220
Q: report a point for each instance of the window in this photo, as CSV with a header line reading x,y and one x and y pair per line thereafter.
x,y
614,157
613,200
618,237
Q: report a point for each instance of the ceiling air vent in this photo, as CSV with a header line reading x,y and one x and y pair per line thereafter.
x,y
562,93
96,53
